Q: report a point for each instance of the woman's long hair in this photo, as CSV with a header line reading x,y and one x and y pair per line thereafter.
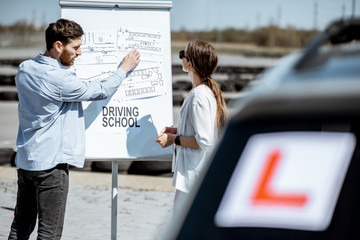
x,y
204,59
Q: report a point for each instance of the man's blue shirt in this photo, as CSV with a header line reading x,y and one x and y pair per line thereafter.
x,y
51,121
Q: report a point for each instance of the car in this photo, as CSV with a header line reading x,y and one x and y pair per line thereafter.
x,y
287,163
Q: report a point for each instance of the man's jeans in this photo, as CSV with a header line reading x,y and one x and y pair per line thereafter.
x,y
43,193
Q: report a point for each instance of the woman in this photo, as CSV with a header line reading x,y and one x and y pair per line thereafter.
x,y
201,116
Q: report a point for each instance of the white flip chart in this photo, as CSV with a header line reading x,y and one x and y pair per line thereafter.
x,y
125,125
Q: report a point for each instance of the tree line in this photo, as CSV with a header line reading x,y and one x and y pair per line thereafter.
x,y
21,34
269,36
27,34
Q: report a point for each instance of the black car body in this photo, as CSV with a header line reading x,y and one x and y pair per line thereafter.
x,y
311,101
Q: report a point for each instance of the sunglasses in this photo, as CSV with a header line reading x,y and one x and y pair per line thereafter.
x,y
182,55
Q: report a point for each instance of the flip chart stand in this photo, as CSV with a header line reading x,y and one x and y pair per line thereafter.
x,y
118,19
114,198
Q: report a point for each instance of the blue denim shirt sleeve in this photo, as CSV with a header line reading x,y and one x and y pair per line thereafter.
x,y
51,121
72,89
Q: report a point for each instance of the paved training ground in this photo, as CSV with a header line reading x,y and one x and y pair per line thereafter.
x,y
144,205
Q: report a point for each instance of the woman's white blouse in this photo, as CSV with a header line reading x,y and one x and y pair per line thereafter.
x,y
197,118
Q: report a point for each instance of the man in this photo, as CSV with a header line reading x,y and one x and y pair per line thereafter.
x,y
51,132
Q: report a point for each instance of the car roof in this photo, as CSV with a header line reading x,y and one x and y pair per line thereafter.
x,y
334,74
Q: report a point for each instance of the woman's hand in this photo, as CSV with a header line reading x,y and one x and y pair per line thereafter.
x,y
168,130
165,139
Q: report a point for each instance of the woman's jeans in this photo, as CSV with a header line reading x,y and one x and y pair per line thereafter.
x,y
41,193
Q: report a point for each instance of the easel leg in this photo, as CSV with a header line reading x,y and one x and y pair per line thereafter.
x,y
114,197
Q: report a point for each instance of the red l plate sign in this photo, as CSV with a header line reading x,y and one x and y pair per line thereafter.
x,y
266,194
287,180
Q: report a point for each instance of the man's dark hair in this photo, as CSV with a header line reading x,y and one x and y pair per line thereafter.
x,y
62,30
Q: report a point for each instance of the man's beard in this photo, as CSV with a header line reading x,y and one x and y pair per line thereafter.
x,y
65,59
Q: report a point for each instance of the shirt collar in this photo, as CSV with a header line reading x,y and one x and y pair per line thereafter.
x,y
50,61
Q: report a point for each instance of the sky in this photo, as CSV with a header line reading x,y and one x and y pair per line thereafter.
x,y
205,15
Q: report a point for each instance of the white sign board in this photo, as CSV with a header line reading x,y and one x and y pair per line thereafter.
x,y
287,180
125,126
